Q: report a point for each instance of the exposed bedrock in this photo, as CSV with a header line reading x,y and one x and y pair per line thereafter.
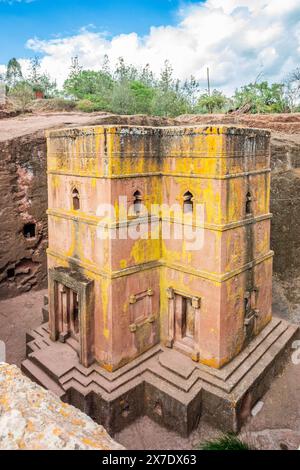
x,y
23,219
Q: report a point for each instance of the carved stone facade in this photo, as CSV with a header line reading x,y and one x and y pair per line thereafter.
x,y
125,288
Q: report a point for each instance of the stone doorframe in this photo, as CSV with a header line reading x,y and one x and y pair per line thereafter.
x,y
84,287
196,303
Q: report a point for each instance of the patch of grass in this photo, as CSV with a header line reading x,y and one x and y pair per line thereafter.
x,y
53,105
88,106
225,442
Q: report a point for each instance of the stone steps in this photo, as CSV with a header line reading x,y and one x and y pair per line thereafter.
x,y
282,332
279,348
96,380
36,374
254,345
173,379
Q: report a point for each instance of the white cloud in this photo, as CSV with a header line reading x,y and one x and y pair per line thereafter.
x,y
237,39
10,2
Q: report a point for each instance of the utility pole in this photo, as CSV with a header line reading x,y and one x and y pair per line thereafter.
x,y
208,89
208,82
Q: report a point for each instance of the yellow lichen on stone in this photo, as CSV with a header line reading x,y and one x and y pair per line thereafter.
x,y
35,419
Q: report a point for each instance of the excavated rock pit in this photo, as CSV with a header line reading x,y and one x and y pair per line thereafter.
x,y
23,203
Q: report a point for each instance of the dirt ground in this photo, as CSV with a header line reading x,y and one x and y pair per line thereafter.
x,y
275,426
27,124
33,123
17,316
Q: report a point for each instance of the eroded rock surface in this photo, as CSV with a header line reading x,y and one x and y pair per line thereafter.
x,y
32,418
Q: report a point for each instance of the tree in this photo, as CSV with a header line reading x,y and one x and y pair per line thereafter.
x,y
90,85
21,94
147,76
122,98
190,90
166,82
75,67
142,96
168,103
124,72
261,98
13,73
40,81
292,90
216,102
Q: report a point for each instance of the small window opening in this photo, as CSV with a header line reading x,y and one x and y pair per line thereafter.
x,y
137,203
125,409
248,204
11,273
158,409
188,204
29,230
76,200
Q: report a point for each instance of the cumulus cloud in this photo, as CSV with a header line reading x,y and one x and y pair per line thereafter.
x,y
237,39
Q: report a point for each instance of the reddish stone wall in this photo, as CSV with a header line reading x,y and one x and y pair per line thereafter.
x,y
23,201
285,205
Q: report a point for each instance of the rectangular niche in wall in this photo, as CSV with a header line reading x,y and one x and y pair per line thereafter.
x,y
141,309
71,310
184,319
188,319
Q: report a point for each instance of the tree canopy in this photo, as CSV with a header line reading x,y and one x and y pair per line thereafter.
x,y
126,89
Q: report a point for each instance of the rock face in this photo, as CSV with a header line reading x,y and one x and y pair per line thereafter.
x,y
23,202
32,418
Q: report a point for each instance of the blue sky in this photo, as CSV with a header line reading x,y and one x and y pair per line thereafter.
x,y
239,40
21,20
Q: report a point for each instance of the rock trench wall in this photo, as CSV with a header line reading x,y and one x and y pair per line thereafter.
x,y
285,204
23,220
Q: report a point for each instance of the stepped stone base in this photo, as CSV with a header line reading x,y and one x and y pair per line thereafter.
x,y
162,383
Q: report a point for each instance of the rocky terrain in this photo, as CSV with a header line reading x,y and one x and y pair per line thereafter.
x,y
32,418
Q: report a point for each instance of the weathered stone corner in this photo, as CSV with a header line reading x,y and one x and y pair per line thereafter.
x,y
32,418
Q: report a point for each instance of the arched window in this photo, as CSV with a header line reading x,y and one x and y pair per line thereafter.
x,y
248,204
76,200
188,204
137,203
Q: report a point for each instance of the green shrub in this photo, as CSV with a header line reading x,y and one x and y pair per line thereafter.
x,y
88,106
21,95
226,442
52,105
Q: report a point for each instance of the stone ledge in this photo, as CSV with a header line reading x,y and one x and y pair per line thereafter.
x,y
162,383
